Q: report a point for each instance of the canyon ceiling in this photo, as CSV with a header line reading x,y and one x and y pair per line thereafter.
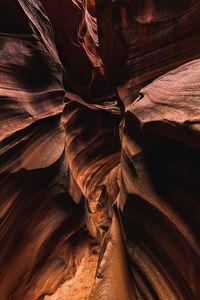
x,y
99,147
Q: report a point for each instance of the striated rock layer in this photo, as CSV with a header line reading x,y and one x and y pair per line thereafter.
x,y
99,149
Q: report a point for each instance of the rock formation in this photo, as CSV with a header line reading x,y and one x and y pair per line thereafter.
x,y
99,150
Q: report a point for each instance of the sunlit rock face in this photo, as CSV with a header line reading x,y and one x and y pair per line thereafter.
x,y
99,151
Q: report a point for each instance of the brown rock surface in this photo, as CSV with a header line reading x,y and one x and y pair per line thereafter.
x,y
99,150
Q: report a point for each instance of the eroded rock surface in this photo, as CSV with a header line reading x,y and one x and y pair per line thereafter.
x,y
99,151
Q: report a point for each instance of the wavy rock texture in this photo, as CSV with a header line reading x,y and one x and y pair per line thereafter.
x,y
99,152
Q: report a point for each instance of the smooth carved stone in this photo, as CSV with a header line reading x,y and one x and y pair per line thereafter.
x,y
148,40
100,148
159,186
113,280
76,39
93,150
40,222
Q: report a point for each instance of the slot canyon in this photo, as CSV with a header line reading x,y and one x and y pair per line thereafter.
x,y
99,150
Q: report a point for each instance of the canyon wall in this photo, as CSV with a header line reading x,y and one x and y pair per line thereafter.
x,y
100,141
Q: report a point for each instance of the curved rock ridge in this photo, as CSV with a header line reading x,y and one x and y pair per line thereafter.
x,y
99,150
77,43
40,221
148,39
